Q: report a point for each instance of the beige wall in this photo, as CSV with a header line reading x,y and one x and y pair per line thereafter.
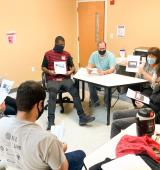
x,y
141,19
36,23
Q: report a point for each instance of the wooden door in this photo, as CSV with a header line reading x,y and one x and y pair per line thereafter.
x,y
91,28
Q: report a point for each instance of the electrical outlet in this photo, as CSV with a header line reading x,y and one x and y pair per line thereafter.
x,y
33,69
111,35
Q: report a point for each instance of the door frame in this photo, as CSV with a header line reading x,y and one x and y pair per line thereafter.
x,y
105,22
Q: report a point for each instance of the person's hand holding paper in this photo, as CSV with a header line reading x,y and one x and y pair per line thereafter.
x,y
100,72
69,72
141,69
51,72
137,96
89,70
139,104
60,67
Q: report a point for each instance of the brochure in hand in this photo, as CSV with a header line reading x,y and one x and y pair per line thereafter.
x,y
5,88
58,130
60,67
137,96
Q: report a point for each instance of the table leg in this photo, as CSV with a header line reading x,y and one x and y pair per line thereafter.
x,y
83,89
108,104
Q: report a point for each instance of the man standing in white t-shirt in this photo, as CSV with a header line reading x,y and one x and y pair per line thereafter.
x,y
25,145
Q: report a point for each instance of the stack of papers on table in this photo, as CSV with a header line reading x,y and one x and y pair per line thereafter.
x,y
127,162
94,70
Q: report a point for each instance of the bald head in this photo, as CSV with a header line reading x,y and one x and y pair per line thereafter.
x,y
102,48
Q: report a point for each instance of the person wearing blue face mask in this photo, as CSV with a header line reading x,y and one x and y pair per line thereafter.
x,y
151,60
124,118
147,71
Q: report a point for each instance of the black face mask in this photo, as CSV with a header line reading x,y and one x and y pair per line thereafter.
x,y
102,52
40,112
58,48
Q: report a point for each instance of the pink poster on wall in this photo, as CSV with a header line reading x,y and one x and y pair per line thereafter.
x,y
11,37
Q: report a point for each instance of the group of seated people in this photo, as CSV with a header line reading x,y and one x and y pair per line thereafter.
x,y
25,145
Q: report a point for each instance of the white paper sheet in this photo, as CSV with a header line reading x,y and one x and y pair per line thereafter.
x,y
120,30
127,162
58,130
5,88
137,96
60,67
93,70
133,62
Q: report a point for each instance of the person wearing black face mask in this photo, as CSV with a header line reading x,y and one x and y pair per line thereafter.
x,y
104,62
27,143
102,52
58,48
57,81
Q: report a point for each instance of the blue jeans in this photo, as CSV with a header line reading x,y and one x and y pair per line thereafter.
x,y
75,159
93,93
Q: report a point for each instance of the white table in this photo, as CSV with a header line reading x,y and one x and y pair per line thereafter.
x,y
108,149
106,81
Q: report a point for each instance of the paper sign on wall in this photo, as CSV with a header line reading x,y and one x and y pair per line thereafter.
x,y
120,31
11,37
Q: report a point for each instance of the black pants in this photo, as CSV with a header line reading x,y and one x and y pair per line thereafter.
x,y
11,107
53,89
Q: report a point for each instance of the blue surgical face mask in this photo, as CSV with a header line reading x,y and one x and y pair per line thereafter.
x,y
151,60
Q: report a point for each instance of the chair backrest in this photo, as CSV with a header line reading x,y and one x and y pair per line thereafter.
x,y
120,69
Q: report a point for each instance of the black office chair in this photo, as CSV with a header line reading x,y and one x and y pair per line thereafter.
x,y
60,100
120,69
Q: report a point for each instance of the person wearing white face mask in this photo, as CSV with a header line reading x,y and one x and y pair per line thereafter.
x,y
148,71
